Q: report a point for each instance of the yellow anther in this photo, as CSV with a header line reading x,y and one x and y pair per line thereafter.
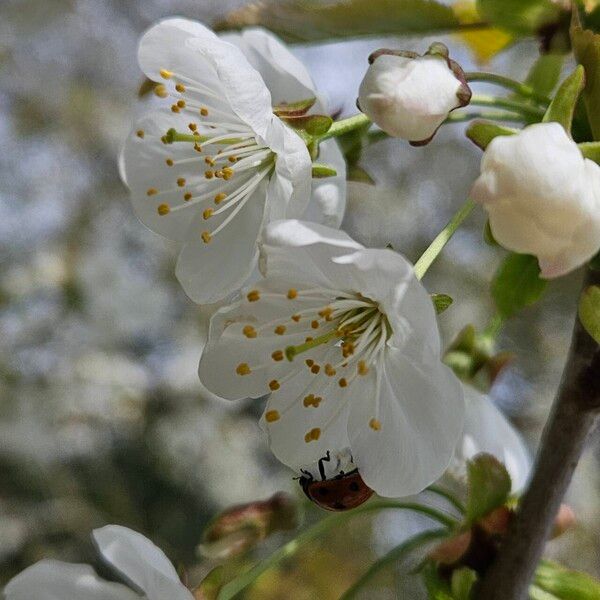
x,y
253,296
209,161
164,139
204,111
292,293
140,133
219,174
296,318
181,181
175,108
277,355
243,369
169,162
206,237
232,159
375,424
187,196
193,126
274,385
313,435
362,367
315,369
308,339
181,103
309,362
280,329
161,91
312,400
166,74
207,213
180,88
220,197
249,331
314,324
329,370
343,382
272,416
227,172
326,313
163,209
209,174
151,191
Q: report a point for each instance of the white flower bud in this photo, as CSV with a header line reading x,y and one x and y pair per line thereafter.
x,y
410,96
542,196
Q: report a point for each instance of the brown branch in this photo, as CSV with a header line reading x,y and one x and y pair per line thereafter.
x,y
573,416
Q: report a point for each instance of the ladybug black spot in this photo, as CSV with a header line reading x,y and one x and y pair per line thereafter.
x,y
354,487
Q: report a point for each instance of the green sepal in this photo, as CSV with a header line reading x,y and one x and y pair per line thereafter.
x,y
462,583
441,302
314,125
320,171
294,109
589,311
488,486
517,284
481,133
566,584
562,107
590,150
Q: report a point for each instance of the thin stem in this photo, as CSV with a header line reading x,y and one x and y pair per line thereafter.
x,y
442,493
245,579
573,416
463,116
515,105
494,326
346,125
396,554
427,258
516,86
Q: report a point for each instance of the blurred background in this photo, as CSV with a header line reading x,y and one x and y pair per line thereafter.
x,y
102,418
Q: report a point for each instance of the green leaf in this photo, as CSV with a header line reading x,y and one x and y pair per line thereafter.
x,y
437,588
462,583
315,20
586,47
294,109
545,73
320,171
488,486
481,133
589,311
566,584
441,302
517,284
314,125
523,17
590,150
562,107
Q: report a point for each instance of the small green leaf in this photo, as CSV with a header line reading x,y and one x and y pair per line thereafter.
x,y
441,302
517,284
488,486
481,133
562,107
320,171
566,584
545,73
462,583
590,150
312,124
586,47
294,109
357,173
523,17
314,20
589,311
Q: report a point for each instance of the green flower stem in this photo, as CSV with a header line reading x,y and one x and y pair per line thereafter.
x,y
516,86
514,105
233,588
464,116
442,493
345,125
536,593
398,553
427,258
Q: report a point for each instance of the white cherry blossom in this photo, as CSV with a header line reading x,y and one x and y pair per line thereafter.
x,y
134,558
215,164
346,340
542,197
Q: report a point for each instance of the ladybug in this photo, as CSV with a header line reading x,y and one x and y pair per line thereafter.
x,y
342,492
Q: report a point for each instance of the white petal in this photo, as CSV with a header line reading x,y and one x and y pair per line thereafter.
x,y
54,580
328,199
286,77
421,411
488,430
141,562
209,272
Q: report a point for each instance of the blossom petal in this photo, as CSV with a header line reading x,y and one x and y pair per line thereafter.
x,y
209,272
421,412
54,580
141,562
488,430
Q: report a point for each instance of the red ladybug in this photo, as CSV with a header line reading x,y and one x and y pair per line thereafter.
x,y
343,492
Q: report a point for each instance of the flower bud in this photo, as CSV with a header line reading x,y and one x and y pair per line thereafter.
x,y
409,96
542,196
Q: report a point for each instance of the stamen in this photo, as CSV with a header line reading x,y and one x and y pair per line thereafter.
x,y
292,294
220,197
313,435
271,416
206,237
253,296
166,74
140,133
243,369
207,213
374,424
181,182
343,382
169,162
151,192
180,88
249,331
280,329
163,209
277,355
274,385
161,91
